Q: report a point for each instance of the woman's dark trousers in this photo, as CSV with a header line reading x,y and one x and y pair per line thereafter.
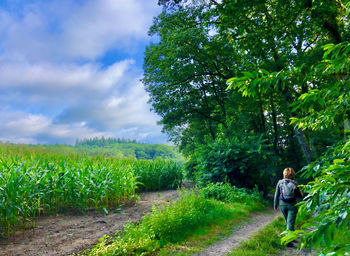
x,y
289,212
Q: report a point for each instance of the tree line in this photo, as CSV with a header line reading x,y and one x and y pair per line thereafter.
x,y
246,88
129,148
102,141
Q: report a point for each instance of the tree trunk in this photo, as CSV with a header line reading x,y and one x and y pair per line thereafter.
x,y
275,127
346,128
262,116
305,148
303,144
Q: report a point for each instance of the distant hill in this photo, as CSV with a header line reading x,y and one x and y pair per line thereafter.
x,y
120,148
127,148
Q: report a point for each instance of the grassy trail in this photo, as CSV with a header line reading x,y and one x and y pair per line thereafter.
x,y
258,237
295,252
266,242
243,233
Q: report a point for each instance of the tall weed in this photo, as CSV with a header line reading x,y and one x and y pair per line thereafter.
x,y
171,224
230,194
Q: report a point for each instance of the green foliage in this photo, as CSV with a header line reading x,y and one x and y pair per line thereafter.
x,y
171,224
230,159
36,181
327,104
187,85
265,242
330,98
201,45
328,200
323,105
127,148
230,194
290,89
158,174
101,142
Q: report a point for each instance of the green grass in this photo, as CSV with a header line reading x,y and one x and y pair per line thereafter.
x,y
204,237
157,174
170,226
266,241
37,181
230,194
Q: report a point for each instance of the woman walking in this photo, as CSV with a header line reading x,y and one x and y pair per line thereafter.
x,y
287,195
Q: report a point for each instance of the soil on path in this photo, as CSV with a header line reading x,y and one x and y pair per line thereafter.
x,y
243,233
258,221
293,251
66,235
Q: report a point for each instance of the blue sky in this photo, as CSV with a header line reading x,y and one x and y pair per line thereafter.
x,y
71,69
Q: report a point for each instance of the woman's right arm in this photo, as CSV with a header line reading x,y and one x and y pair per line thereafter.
x,y
277,196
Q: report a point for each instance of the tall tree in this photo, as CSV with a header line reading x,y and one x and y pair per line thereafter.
x,y
204,43
186,73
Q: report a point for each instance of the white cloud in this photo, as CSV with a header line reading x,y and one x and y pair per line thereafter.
x,y
21,127
61,77
65,29
22,123
53,89
111,101
100,25
119,110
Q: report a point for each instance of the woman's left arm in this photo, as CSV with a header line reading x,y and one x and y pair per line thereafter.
x,y
299,194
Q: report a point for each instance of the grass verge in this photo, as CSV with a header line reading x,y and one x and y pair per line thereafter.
x,y
167,228
266,241
203,238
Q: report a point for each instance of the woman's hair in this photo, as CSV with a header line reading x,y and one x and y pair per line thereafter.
x,y
288,173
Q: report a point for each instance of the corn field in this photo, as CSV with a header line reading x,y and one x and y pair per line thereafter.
x,y
34,182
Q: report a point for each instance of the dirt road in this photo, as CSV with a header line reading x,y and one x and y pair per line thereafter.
x,y
65,235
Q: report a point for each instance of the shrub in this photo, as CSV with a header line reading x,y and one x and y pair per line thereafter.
x,y
231,159
227,193
173,223
328,203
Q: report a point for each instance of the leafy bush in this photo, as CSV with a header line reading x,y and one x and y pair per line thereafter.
x,y
171,224
230,194
127,148
230,159
328,201
329,193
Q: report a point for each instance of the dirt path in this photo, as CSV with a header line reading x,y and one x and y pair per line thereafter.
x,y
294,252
258,221
65,235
